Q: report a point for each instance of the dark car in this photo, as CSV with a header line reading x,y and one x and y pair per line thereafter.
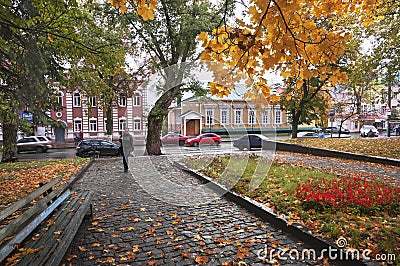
x,y
87,147
174,138
33,143
250,141
335,130
207,138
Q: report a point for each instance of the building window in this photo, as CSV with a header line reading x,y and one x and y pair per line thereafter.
x,y
251,117
265,117
224,117
60,98
105,124
238,116
92,125
77,100
122,100
92,101
209,117
77,125
122,124
278,117
137,125
136,99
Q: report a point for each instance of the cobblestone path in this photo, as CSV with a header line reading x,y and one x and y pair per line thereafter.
x,y
157,214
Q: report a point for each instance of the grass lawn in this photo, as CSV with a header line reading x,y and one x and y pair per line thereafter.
x,y
21,178
383,147
366,213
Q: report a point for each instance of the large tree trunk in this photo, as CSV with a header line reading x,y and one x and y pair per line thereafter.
x,y
295,123
109,123
155,120
10,130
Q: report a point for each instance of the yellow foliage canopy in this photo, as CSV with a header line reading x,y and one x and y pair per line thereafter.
x,y
287,36
281,35
145,9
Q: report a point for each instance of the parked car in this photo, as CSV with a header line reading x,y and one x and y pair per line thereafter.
x,y
336,129
103,147
33,143
174,138
369,131
250,141
207,138
307,134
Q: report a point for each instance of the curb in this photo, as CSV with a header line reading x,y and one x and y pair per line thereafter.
x,y
80,173
282,146
279,221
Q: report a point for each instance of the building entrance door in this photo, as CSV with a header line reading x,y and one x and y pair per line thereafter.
x,y
60,134
193,127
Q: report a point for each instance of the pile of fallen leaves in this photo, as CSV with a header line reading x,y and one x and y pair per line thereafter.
x,y
382,147
21,178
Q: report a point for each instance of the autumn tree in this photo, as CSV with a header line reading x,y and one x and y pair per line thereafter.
x,y
106,74
295,38
37,40
168,36
387,47
305,105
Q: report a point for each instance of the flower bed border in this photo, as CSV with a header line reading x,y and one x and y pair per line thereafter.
x,y
289,147
278,220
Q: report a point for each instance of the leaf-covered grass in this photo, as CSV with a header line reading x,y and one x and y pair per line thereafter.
x,y
383,147
21,178
377,228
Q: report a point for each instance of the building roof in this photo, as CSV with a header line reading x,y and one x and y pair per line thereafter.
x,y
189,112
236,95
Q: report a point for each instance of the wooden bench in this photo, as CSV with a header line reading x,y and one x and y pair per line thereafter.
x,y
42,233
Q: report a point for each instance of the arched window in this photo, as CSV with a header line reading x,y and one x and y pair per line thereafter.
x,y
137,124
92,101
93,125
136,99
60,96
122,124
77,100
77,125
122,100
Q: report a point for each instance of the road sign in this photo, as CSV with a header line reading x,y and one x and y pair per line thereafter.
x,y
331,111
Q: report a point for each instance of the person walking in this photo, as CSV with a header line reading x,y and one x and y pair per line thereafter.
x,y
126,142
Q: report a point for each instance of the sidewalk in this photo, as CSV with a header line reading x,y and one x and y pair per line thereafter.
x,y
159,215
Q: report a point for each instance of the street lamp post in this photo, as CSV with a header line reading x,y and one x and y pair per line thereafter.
x,y
388,110
252,120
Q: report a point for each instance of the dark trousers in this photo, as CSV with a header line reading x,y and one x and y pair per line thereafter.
x,y
125,161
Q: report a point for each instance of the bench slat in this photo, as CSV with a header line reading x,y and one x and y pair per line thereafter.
x,y
10,246
28,198
47,239
67,222
71,231
16,224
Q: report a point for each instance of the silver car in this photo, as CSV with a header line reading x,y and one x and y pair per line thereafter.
x,y
369,131
33,143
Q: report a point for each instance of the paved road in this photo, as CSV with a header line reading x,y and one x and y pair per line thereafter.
x,y
51,154
159,214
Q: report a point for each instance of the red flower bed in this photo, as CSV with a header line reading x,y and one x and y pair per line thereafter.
x,y
350,192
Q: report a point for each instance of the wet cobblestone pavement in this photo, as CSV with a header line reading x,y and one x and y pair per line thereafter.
x,y
157,214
